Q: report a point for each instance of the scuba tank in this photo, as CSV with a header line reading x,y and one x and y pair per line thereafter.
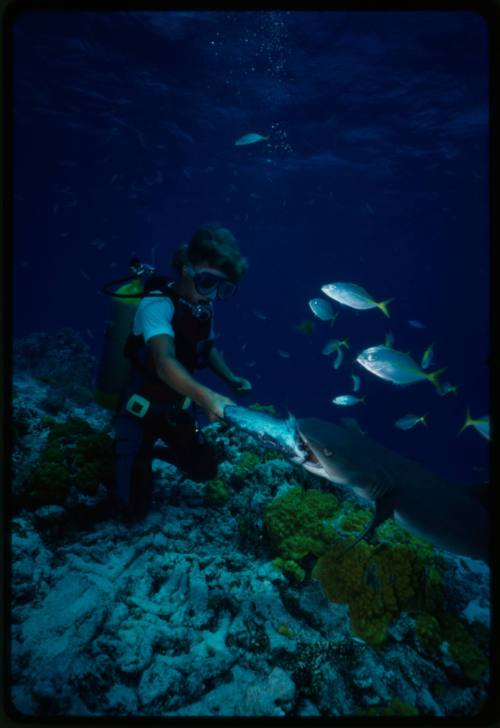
x,y
114,368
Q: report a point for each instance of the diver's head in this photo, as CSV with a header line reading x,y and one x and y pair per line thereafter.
x,y
210,266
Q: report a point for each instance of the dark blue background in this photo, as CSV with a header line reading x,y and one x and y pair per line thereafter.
x,y
376,173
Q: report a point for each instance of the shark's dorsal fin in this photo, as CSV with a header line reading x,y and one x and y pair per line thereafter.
x,y
384,509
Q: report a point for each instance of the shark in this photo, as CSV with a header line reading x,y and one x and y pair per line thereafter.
x,y
451,516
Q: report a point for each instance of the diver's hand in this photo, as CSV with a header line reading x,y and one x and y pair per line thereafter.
x,y
213,405
240,385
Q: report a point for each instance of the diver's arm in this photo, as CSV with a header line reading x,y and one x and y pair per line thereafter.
x,y
173,373
219,366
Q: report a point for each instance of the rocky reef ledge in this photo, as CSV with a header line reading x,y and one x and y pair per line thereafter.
x,y
227,599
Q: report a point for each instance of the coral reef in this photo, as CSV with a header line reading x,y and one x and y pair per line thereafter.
x,y
378,582
297,525
76,455
216,492
185,613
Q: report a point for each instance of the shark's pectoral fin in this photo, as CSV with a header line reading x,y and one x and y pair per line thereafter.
x,y
384,509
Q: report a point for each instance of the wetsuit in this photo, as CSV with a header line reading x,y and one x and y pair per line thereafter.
x,y
165,418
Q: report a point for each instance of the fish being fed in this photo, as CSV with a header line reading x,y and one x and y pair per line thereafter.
x,y
354,296
322,309
249,139
408,421
482,425
347,400
447,515
395,366
276,433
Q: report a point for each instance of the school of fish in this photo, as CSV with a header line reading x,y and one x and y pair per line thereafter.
x,y
383,360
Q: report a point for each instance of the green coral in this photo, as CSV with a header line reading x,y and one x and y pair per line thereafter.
x,y
400,573
75,454
284,630
428,631
271,455
290,568
246,464
215,492
298,524
464,649
396,708
378,583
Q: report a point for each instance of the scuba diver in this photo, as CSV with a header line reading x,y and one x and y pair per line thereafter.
x,y
172,335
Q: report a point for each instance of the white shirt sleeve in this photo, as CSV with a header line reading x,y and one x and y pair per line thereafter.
x,y
154,316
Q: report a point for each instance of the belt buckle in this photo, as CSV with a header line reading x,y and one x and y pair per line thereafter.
x,y
137,405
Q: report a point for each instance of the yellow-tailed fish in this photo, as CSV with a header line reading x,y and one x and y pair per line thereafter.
x,y
338,359
427,357
482,425
334,345
395,366
354,296
347,400
249,139
322,309
446,388
408,421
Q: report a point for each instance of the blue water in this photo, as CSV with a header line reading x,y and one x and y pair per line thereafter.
x,y
376,173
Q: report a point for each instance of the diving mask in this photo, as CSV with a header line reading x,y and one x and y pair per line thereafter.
x,y
210,284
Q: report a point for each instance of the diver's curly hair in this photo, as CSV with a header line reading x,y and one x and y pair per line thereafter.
x,y
215,245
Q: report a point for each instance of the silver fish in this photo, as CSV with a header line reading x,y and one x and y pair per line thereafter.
x,y
322,309
354,296
417,324
347,400
446,388
271,431
338,359
334,345
395,366
408,421
249,139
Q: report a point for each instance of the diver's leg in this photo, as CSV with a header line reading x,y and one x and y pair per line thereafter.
x,y
188,448
133,472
